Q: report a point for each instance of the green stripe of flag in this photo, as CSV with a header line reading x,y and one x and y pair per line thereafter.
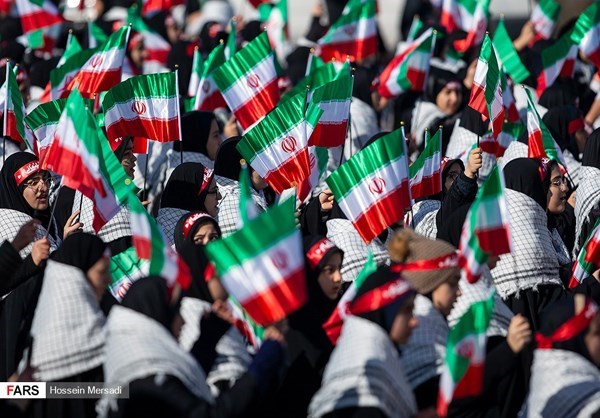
x,y
508,54
514,129
586,21
493,70
432,147
156,86
257,236
72,64
337,90
558,50
214,60
45,114
115,40
357,12
376,156
17,102
317,78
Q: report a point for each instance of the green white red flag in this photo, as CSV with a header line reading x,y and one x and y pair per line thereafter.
x,y
103,69
275,17
486,93
508,55
62,76
150,244
317,158
37,14
333,325
96,35
462,375
486,229
588,260
586,33
415,28
372,186
277,147
470,16
262,264
408,70
353,35
157,48
248,209
83,157
426,172
511,113
14,111
318,76
231,44
544,17
43,121
207,95
197,65
541,144
145,106
249,81
557,61
334,98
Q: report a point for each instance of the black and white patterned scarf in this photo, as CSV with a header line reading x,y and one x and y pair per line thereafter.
x,y
118,227
228,215
167,221
10,223
586,198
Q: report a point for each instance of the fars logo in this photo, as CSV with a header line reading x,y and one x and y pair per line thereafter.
x,y
22,390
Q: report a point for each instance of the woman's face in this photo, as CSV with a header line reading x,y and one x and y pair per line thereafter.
x,y
257,181
557,193
214,140
139,54
448,100
404,323
453,173
444,296
99,276
330,278
36,190
205,234
128,159
212,199
592,340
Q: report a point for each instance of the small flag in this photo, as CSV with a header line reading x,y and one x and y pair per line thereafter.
x,y
275,16
470,16
415,27
62,76
14,110
585,33
248,209
588,260
157,48
544,17
207,95
96,35
508,55
37,14
231,44
426,171
262,265
317,158
197,66
557,61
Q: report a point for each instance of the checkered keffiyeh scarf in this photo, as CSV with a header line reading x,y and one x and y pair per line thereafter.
x,y
422,210
167,221
228,214
423,356
137,347
479,291
232,356
10,223
118,227
573,166
586,198
343,234
428,226
364,371
68,325
534,260
515,150
460,142
562,384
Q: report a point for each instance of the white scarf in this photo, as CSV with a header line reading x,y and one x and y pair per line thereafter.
x,y
562,383
364,371
586,197
10,223
68,325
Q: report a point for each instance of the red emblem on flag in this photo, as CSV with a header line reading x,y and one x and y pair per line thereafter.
x,y
253,80
377,185
350,30
123,289
280,260
138,107
466,349
289,144
312,160
206,86
96,61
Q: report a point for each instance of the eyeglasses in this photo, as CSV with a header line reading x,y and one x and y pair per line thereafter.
x,y
36,183
213,191
559,182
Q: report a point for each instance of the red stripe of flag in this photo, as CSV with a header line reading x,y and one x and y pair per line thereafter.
x,y
153,128
357,49
494,241
262,103
212,102
427,187
289,172
329,134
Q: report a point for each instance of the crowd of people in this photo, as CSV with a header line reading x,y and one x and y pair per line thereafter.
x,y
184,353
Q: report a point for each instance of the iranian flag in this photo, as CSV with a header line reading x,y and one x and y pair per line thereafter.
x,y
43,121
415,27
157,48
353,35
588,260
248,81
262,265
511,131
83,157
14,110
541,144
248,209
62,76
151,7
544,17
333,325
43,39
426,172
508,55
408,70
334,98
462,375
319,76
277,147
586,33
197,66
231,44
37,14
470,16
557,61
150,244
145,106
317,158
486,94
372,187
485,231
511,113
103,69
207,95
96,35
275,16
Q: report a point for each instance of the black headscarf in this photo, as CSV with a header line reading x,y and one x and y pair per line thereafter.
x,y
562,92
149,296
195,128
558,120
198,219
196,259
523,175
384,316
11,195
186,188
80,250
437,80
120,150
591,151
451,227
227,161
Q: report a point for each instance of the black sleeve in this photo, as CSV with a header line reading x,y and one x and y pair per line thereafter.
x,y
499,362
357,412
64,208
565,224
463,191
312,219
426,393
10,261
24,271
212,328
